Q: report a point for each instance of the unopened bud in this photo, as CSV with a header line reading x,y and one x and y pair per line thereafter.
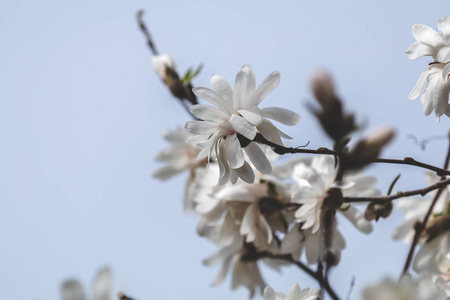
x,y
323,88
437,226
375,211
369,148
160,63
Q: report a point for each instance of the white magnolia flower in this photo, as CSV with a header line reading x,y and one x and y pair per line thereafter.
x,y
315,180
160,63
238,256
437,45
72,290
414,209
435,95
298,240
408,289
236,118
179,156
295,293
434,256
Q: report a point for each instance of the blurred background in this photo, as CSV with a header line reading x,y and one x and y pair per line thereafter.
x,y
82,112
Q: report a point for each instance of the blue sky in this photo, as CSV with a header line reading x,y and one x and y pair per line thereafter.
x,y
82,111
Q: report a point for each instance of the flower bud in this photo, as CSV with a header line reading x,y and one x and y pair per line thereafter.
x,y
323,88
368,149
375,211
160,63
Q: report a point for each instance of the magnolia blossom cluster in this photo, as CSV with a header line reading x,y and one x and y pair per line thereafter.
x,y
436,77
259,211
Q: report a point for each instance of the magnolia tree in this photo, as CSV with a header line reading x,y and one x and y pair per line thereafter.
x,y
258,211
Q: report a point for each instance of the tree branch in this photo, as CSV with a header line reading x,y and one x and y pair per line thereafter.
x,y
146,32
383,199
406,161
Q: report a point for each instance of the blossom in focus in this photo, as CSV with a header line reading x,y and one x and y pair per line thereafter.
x,y
228,127
71,289
437,45
295,293
315,180
179,156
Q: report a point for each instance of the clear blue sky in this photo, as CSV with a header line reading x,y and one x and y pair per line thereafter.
x,y
82,111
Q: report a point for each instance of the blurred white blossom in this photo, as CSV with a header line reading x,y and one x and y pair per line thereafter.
x,y
71,289
295,293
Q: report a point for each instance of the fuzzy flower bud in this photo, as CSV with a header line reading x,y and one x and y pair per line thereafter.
x,y
160,63
323,88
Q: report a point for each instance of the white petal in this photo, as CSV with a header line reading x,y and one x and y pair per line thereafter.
x,y
246,173
270,132
235,156
213,98
444,25
446,71
294,293
443,55
252,114
208,113
201,127
240,84
282,115
251,83
223,271
243,127
258,158
265,88
357,219
102,285
222,87
427,35
418,49
269,294
415,92
72,290
440,96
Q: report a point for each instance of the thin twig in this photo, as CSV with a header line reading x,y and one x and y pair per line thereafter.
x,y
406,161
146,32
383,199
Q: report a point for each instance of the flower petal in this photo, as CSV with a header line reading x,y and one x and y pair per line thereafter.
x,y
415,92
294,293
243,127
357,219
258,158
72,290
102,285
265,88
222,87
251,84
246,173
443,55
235,156
444,25
282,115
240,85
427,35
208,113
270,132
213,98
200,127
252,114
418,49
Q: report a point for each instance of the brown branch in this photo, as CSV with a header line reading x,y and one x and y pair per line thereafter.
x,y
406,161
383,199
146,32
316,275
419,227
